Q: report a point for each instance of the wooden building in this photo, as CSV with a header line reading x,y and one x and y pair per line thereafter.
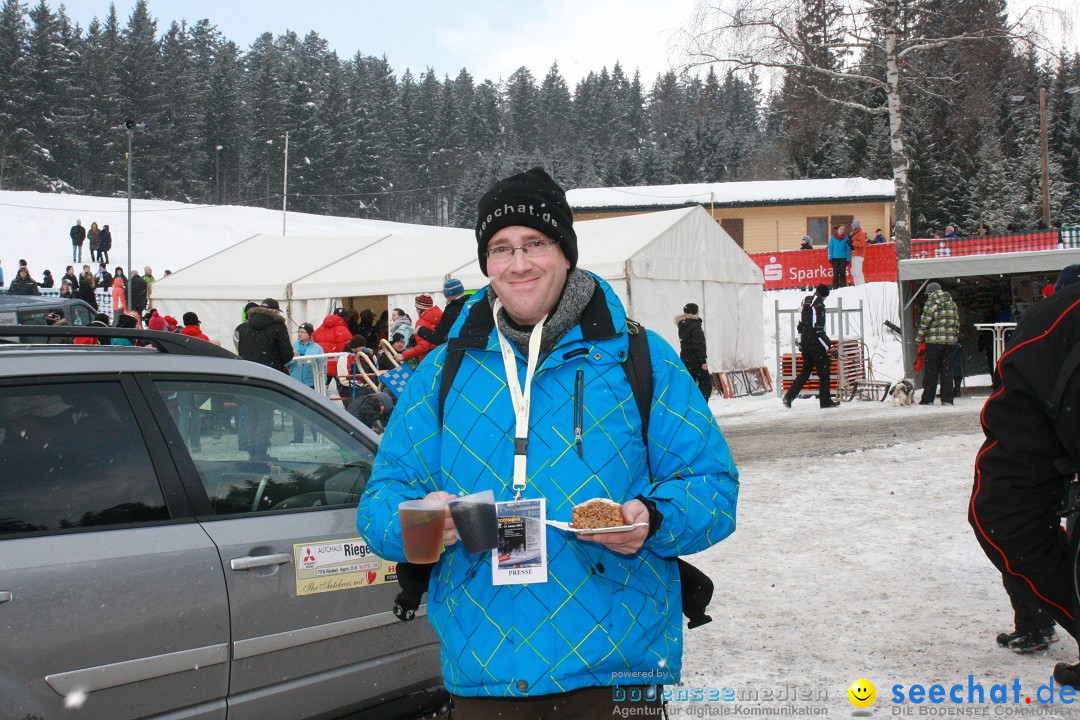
x,y
761,215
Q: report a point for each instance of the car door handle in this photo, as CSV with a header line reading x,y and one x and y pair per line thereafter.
x,y
251,562
5,596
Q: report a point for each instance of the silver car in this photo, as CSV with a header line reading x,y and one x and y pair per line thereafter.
x,y
177,539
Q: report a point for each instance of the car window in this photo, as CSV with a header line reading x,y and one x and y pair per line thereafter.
x,y
78,314
257,449
72,457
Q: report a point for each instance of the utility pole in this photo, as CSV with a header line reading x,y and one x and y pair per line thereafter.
x,y
285,186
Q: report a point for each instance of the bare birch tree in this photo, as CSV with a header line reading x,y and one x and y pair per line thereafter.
x,y
762,34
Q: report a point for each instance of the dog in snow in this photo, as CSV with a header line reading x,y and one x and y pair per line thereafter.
x,y
903,392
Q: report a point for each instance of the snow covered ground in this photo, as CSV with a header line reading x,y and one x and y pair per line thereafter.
x,y
852,559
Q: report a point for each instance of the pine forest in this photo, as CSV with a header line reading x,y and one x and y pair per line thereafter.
x,y
370,140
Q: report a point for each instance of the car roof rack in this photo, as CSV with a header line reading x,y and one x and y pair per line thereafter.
x,y
165,342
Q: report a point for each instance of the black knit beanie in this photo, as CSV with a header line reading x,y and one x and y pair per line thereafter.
x,y
531,199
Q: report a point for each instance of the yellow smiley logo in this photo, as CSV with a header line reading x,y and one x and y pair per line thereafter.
x,y
862,693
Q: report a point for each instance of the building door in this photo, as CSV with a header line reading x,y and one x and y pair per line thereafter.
x,y
734,228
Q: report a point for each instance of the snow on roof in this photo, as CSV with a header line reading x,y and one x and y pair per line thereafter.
x,y
731,193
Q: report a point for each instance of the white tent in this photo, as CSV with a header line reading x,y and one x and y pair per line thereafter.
x,y
656,263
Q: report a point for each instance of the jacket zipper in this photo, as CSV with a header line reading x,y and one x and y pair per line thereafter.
x,y
579,408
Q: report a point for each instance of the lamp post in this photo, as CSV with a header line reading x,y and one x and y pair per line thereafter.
x,y
132,127
217,174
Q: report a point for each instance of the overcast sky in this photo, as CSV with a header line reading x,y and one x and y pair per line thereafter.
x,y
491,38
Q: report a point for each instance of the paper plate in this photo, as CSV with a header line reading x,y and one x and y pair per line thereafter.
x,y
596,531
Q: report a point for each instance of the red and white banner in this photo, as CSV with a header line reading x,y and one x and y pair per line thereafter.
x,y
802,268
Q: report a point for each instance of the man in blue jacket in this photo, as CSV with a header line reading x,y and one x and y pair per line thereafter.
x,y
541,409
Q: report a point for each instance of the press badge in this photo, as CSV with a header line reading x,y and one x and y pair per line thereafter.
x,y
521,556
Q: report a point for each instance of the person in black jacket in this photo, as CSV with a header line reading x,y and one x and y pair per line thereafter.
x,y
262,338
454,292
71,277
23,284
816,349
138,293
104,244
1029,460
78,237
692,348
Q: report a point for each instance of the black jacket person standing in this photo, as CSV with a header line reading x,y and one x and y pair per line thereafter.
x,y
692,347
262,338
815,346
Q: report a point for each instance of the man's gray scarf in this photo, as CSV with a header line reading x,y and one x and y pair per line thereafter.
x,y
567,313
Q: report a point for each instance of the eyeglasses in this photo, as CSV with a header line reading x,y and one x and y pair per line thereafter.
x,y
533,248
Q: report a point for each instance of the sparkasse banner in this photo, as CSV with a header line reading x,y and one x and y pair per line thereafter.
x,y
802,268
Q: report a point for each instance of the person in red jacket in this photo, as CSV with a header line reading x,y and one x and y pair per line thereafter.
x,y
332,336
192,327
429,316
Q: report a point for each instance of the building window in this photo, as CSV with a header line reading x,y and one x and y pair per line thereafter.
x,y
818,229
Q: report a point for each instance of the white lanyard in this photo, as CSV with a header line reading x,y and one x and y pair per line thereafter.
x,y
520,398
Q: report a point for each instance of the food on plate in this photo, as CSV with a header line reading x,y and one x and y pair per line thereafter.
x,y
596,513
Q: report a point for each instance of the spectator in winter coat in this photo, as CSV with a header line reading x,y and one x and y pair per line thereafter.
x,y
103,278
139,296
807,243
23,284
128,323
877,239
1024,470
839,256
71,277
85,291
148,277
171,324
94,238
385,360
104,244
78,237
156,322
816,350
47,280
950,233
373,410
303,372
66,291
262,338
332,336
454,292
119,291
428,316
401,324
583,630
939,327
858,252
192,326
367,328
692,348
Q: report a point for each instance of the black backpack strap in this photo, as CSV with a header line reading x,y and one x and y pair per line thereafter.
x,y
638,367
474,334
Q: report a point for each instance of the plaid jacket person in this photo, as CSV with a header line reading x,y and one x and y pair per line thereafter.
x,y
940,322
